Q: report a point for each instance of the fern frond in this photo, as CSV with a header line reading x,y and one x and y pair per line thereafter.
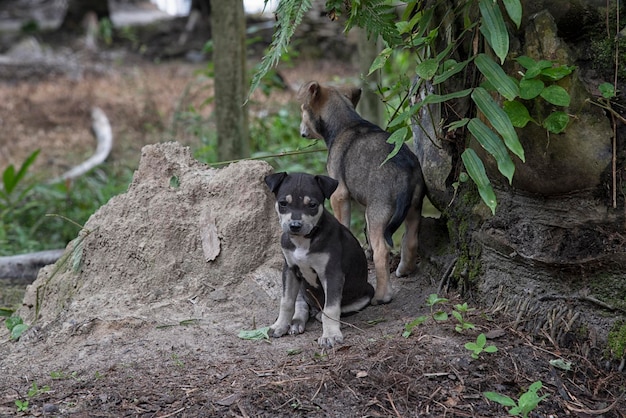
x,y
289,14
377,18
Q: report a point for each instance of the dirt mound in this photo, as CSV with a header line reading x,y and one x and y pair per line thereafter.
x,y
185,244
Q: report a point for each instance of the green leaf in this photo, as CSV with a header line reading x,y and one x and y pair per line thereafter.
x,y
25,165
450,68
525,61
8,179
561,364
6,312
499,120
457,124
481,340
174,182
476,171
556,122
490,349
427,68
12,322
535,386
18,330
494,146
496,76
533,68
530,88
494,29
501,399
397,139
556,95
514,10
440,316
607,90
408,328
457,316
472,346
557,73
256,334
380,60
434,299
518,113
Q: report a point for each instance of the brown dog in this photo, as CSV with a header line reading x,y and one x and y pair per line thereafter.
x,y
391,193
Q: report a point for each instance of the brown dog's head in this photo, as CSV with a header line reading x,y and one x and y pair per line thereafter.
x,y
321,106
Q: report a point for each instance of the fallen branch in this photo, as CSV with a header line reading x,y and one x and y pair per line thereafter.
x,y
104,136
26,266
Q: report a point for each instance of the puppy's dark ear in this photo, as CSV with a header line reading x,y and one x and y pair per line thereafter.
x,y
327,184
274,180
354,96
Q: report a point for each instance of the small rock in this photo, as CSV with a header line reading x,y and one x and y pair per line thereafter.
x,y
50,408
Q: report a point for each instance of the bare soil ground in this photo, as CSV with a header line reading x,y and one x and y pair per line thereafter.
x,y
138,368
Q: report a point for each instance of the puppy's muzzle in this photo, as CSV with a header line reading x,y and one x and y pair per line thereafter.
x,y
295,227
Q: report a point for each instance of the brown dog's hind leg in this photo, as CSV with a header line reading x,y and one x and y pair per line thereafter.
x,y
408,253
383,292
340,202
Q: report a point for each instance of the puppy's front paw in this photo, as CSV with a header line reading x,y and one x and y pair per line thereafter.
x,y
297,327
278,330
329,341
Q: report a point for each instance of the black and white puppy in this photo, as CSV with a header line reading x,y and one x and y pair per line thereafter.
x,y
325,267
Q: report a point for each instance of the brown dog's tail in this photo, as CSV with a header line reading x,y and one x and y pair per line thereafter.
x,y
402,208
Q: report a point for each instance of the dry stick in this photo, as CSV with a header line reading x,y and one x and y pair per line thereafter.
x,y
280,154
173,413
319,306
393,405
595,411
104,137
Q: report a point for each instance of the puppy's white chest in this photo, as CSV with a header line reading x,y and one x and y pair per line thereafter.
x,y
311,265
300,255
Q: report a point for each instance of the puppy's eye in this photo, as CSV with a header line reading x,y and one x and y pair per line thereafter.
x,y
313,205
282,203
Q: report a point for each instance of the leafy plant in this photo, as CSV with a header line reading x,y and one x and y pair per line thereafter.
x,y
10,195
457,313
438,315
25,201
22,405
408,328
16,326
433,300
538,81
479,346
527,402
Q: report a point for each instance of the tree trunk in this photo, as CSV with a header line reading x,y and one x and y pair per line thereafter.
x,y
370,106
229,58
77,9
